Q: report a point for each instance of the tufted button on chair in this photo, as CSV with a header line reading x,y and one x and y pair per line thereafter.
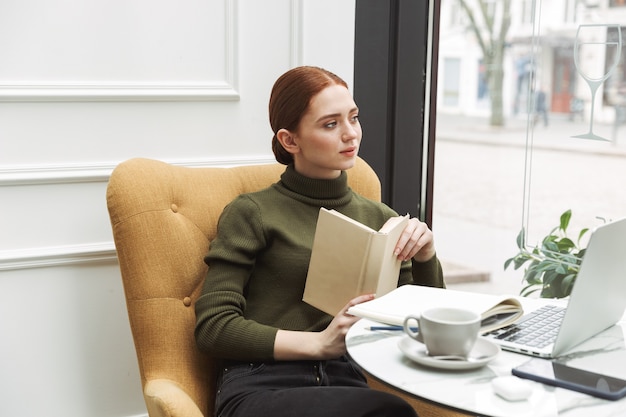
x,y
163,218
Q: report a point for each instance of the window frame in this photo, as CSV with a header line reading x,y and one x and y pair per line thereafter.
x,y
395,85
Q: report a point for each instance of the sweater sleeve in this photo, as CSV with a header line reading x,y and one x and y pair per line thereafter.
x,y
221,326
427,273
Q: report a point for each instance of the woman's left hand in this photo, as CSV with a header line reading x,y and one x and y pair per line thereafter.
x,y
416,242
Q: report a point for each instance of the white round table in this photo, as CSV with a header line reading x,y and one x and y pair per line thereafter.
x,y
470,391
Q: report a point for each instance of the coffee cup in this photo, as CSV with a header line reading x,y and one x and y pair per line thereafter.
x,y
445,330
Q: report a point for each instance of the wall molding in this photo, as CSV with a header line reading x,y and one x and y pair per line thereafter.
x,y
81,173
50,256
116,92
222,90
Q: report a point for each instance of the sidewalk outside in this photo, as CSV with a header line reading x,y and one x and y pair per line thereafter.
x,y
476,129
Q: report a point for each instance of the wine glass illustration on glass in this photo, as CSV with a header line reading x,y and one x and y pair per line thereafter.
x,y
588,38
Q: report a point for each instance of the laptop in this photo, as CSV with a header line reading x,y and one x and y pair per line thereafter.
x,y
597,301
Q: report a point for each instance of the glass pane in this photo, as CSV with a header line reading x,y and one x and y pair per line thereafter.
x,y
451,79
545,134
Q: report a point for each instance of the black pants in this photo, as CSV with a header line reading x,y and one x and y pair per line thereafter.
x,y
335,388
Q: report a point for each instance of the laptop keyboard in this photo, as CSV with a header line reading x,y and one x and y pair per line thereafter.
x,y
537,329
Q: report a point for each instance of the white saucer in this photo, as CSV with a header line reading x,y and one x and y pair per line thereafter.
x,y
482,353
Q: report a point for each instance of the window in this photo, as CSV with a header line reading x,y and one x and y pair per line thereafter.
x,y
492,176
560,146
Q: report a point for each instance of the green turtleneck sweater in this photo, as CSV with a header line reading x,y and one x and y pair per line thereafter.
x,y
259,260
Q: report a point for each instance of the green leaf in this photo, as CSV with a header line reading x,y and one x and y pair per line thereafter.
x,y
568,284
546,292
518,260
566,244
532,280
571,259
546,266
548,277
565,218
550,245
507,263
529,290
521,238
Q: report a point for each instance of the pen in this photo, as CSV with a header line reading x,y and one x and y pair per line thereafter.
x,y
394,328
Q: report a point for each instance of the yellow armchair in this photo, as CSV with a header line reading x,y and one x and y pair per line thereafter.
x,y
163,218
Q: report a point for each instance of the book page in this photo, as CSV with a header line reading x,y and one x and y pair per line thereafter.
x,y
413,299
392,223
348,219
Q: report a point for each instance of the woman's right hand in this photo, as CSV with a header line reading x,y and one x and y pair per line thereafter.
x,y
333,338
330,343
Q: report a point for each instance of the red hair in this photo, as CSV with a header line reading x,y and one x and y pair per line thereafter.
x,y
290,98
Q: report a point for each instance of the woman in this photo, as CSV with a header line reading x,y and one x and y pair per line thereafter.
x,y
283,357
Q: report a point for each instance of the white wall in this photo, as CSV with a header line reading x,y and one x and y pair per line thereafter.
x,y
83,86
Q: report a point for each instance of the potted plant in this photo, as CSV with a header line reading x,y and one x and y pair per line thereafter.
x,y
553,266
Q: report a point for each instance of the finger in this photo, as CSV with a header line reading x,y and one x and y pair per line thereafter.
x,y
405,237
360,299
356,300
415,241
422,240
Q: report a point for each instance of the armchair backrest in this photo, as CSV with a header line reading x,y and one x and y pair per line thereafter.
x,y
163,218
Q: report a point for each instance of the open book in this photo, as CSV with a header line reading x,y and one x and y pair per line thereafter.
x,y
496,311
349,259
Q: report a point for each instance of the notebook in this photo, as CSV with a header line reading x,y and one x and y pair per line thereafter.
x,y
597,301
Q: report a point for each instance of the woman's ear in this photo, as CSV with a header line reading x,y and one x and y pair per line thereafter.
x,y
287,140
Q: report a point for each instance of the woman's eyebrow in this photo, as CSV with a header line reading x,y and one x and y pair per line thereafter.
x,y
331,115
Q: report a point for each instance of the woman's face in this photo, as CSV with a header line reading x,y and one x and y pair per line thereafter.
x,y
328,136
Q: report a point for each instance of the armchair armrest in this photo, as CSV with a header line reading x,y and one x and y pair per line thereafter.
x,y
165,398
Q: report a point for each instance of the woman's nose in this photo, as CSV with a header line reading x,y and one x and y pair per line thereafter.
x,y
350,132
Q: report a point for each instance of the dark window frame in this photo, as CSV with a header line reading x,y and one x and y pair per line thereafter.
x,y
395,80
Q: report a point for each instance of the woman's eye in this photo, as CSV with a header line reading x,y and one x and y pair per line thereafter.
x,y
330,125
355,118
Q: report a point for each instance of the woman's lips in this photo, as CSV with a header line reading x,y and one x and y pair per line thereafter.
x,y
350,151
